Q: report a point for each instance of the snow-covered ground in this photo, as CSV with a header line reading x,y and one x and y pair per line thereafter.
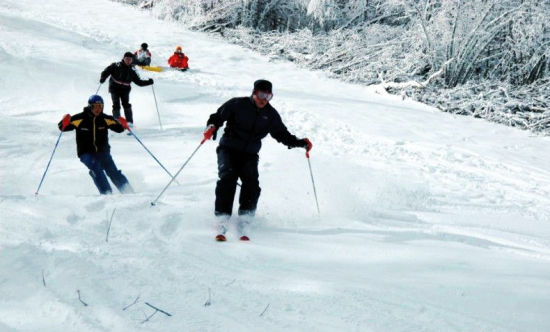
x,y
428,221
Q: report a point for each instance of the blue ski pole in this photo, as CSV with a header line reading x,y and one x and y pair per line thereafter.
x,y
124,123
65,123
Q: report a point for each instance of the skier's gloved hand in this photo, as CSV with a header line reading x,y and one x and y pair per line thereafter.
x,y
209,132
124,123
303,143
101,80
212,122
65,121
215,133
151,81
308,144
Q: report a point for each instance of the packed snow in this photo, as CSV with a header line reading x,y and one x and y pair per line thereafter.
x,y
429,221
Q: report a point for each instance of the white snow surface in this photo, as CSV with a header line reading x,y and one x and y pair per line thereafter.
x,y
429,221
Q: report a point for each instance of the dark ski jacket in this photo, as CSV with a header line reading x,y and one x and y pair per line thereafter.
x,y
121,77
91,131
248,124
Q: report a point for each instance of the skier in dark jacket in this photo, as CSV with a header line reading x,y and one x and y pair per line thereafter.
x,y
92,144
122,75
249,119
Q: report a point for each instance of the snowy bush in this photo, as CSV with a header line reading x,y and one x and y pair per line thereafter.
x,y
413,47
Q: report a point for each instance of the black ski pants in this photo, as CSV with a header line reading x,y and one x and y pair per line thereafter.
x,y
118,96
233,165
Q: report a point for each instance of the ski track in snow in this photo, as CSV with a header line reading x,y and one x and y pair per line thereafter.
x,y
429,221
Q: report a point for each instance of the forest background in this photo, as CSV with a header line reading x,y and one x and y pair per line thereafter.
x,y
484,58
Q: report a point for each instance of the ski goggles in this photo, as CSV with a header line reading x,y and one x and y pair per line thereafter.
x,y
264,95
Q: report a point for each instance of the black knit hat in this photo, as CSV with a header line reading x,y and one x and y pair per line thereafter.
x,y
263,85
128,55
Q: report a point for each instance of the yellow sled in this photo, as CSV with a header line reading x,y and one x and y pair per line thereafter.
x,y
151,68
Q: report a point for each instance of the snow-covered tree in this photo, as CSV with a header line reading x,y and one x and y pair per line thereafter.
x,y
413,47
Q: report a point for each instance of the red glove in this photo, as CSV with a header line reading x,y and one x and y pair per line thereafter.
x,y
308,146
124,123
208,133
66,121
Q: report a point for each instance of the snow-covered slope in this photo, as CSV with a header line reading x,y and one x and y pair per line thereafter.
x,y
428,221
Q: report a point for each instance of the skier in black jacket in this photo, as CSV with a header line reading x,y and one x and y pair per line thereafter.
x,y
92,144
122,75
249,119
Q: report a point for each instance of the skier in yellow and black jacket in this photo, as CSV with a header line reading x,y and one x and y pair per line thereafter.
x,y
92,144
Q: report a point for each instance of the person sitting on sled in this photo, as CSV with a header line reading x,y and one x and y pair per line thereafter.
x,y
179,60
142,57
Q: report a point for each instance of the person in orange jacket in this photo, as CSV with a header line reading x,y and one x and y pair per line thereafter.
x,y
179,60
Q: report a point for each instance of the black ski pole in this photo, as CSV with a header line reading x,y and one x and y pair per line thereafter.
x,y
124,123
65,123
206,136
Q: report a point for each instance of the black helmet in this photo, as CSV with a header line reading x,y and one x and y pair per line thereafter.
x,y
263,85
144,46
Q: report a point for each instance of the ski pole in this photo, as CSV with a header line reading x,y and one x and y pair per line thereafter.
x,y
99,86
309,146
206,136
124,123
65,122
156,105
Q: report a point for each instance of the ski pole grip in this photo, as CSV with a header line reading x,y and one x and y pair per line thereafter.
x,y
124,123
308,147
208,133
66,121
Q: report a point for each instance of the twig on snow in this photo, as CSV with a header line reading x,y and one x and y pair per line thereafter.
x,y
80,299
109,227
131,304
208,302
230,283
43,279
263,312
148,318
156,310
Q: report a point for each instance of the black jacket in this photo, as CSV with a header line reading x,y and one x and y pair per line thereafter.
x,y
121,77
248,124
91,131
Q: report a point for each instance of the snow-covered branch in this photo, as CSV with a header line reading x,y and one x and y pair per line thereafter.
x,y
428,44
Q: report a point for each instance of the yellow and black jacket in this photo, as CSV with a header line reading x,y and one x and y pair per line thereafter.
x,y
91,131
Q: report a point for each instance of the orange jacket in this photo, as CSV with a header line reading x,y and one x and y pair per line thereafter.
x,y
178,60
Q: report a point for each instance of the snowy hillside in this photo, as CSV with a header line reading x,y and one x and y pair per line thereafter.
x,y
428,221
